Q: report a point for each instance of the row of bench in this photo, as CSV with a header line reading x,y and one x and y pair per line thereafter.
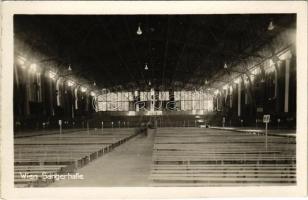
x,y
207,157
61,154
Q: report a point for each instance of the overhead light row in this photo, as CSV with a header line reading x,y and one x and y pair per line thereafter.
x,y
71,83
270,27
83,89
33,68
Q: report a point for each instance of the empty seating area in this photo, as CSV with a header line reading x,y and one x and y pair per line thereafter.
x,y
62,153
204,99
207,157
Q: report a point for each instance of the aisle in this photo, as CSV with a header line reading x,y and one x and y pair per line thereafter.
x,y
127,165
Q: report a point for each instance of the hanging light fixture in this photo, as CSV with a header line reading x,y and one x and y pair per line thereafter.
x,y
271,26
146,66
69,68
150,83
139,31
225,66
94,83
206,82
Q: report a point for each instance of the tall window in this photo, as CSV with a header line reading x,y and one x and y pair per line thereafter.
x,y
184,100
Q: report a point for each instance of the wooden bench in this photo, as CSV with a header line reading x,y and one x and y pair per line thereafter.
x,y
75,162
225,160
49,153
192,157
38,167
35,170
223,167
242,147
226,179
203,184
227,153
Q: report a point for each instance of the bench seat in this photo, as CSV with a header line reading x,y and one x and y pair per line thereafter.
x,y
220,179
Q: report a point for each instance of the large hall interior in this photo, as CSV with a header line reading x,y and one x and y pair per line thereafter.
x,y
154,100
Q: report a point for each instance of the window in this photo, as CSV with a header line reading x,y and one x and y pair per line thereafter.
x,y
184,100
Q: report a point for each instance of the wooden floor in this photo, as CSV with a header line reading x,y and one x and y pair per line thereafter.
x,y
61,154
207,157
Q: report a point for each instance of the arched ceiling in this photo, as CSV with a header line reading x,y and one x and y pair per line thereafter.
x,y
181,51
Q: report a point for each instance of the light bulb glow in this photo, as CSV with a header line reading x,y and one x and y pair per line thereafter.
x,y
70,83
237,81
21,61
33,67
83,89
246,80
270,69
271,26
92,94
256,71
146,66
225,66
52,75
252,77
286,55
139,31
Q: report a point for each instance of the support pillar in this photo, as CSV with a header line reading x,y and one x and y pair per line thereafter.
x,y
239,100
287,83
